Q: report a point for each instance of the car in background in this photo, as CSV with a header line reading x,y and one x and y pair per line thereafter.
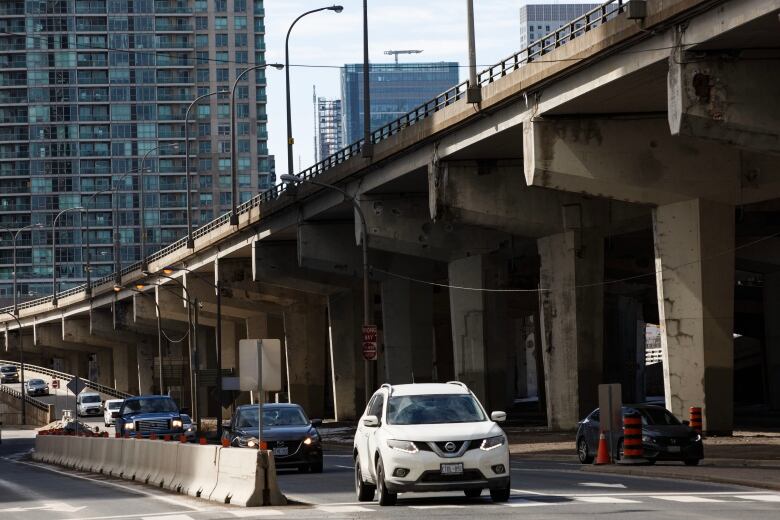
x,y
664,437
111,411
89,403
287,431
9,374
36,387
190,428
429,437
143,415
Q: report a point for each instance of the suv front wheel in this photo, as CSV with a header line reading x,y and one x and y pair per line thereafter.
x,y
386,498
364,490
501,494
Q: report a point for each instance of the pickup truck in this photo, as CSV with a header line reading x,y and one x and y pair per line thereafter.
x,y
141,416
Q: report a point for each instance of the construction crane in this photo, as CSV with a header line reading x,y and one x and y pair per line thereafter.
x,y
396,53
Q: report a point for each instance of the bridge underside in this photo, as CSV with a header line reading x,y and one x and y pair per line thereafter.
x,y
619,224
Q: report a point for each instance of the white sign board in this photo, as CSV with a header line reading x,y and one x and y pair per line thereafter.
x,y
271,350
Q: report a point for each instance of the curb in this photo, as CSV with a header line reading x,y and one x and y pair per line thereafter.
x,y
640,472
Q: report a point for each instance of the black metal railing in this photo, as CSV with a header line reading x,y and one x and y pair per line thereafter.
x,y
113,392
555,39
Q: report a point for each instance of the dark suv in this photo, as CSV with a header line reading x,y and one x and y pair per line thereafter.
x,y
9,374
141,416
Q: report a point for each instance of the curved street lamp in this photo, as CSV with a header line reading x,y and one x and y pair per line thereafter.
x,y
292,179
14,236
290,140
233,166
54,252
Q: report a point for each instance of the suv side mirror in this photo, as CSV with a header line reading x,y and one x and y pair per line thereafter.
x,y
686,423
371,421
316,422
498,416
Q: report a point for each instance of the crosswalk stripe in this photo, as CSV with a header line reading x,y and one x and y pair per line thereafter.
x,y
451,506
343,509
246,513
760,498
606,500
167,517
685,498
522,502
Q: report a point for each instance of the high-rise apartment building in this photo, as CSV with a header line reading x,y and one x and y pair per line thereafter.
x,y
329,131
395,90
87,88
537,20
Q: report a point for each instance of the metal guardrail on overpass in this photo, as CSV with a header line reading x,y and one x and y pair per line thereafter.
x,y
36,403
555,39
107,390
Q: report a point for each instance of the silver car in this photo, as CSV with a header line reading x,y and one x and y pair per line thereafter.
x,y
36,387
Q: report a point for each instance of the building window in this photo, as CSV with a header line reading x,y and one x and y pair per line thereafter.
x,y
223,75
220,23
203,75
220,6
201,41
221,40
241,40
204,147
242,57
239,6
239,22
201,23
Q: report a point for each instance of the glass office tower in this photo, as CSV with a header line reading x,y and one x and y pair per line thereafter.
x,y
87,87
395,90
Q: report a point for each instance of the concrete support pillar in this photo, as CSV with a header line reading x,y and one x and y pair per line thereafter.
x,y
772,338
407,314
467,314
123,370
345,318
571,309
305,346
694,243
229,344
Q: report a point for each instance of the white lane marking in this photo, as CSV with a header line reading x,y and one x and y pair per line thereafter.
x,y
606,500
601,484
526,492
129,489
522,502
254,511
343,467
451,506
167,517
57,507
685,498
760,498
343,509
134,515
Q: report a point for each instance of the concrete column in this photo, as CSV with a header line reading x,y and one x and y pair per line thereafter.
x,y
123,371
407,315
571,309
305,334
772,338
694,243
345,317
467,316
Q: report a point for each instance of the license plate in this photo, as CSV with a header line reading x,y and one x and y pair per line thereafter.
x,y
281,452
674,449
452,469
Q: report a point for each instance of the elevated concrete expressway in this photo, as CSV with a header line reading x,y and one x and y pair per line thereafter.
x,y
605,170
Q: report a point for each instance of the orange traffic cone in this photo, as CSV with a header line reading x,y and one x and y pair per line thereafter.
x,y
603,454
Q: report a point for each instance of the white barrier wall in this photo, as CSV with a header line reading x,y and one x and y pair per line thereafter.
x,y
237,476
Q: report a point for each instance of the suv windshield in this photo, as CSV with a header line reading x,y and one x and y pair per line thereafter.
x,y
149,406
7,369
247,418
433,409
90,399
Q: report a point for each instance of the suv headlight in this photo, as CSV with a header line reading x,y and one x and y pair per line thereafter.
x,y
247,442
405,446
696,438
176,423
492,443
647,438
130,426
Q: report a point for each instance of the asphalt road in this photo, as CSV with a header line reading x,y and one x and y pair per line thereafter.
x,y
548,490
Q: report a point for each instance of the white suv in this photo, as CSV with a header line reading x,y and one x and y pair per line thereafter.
x,y
429,437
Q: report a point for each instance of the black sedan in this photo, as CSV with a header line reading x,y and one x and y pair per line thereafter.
x,y
664,437
287,431
36,387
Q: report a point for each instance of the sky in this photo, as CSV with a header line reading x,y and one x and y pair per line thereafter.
x,y
327,40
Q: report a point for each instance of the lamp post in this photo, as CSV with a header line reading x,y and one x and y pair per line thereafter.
x,y
233,166
368,147
54,251
364,242
190,241
141,201
290,140
14,236
21,362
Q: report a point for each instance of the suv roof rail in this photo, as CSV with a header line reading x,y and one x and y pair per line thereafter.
x,y
388,386
459,383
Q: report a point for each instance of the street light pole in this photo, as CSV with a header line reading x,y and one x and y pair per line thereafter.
x,y
290,140
54,252
368,147
190,241
233,166
141,206
14,236
21,363
364,243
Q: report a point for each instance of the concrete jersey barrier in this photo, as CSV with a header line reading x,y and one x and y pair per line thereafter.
x,y
237,476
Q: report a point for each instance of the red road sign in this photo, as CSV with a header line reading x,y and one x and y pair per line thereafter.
x,y
55,383
369,342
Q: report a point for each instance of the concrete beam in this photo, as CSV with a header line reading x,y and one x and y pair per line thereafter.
x,y
725,99
634,160
276,263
